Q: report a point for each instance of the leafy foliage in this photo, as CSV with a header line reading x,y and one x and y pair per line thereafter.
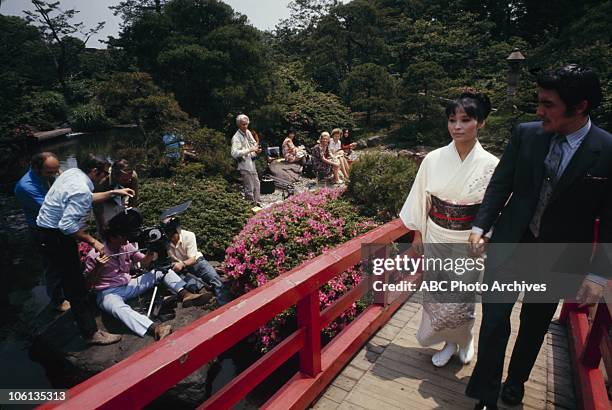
x,y
57,28
380,183
45,108
134,98
204,53
370,88
89,117
25,65
216,214
296,104
212,148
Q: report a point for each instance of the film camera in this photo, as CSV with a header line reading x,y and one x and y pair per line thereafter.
x,y
154,238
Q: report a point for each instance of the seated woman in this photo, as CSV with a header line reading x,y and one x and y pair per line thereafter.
x,y
348,146
291,153
109,275
324,164
335,150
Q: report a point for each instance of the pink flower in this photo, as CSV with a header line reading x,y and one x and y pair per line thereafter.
x,y
285,235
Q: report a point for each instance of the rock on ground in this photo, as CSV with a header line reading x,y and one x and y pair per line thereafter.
x,y
68,360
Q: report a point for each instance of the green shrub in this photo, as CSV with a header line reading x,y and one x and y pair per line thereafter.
x,y
89,117
380,183
134,98
315,112
147,160
216,214
213,152
161,113
122,88
80,91
45,109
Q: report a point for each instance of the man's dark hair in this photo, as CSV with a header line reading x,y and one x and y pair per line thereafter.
x,y
172,226
123,165
38,160
90,161
574,84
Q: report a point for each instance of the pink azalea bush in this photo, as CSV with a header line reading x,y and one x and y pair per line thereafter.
x,y
281,237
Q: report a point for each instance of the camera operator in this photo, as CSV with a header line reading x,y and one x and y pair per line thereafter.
x,y
183,250
109,275
61,222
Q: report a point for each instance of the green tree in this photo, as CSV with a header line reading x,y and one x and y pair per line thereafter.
x,y
57,29
204,53
134,98
351,34
370,88
295,103
131,10
25,65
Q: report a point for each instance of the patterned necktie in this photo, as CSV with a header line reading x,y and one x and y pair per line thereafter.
x,y
551,177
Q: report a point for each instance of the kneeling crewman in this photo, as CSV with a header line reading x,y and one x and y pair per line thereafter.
x,y
109,275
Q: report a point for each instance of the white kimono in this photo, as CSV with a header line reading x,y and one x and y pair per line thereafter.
x,y
442,174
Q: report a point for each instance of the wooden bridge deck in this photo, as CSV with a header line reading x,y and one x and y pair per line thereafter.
x,y
393,372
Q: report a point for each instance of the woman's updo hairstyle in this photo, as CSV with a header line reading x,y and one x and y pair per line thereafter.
x,y
476,105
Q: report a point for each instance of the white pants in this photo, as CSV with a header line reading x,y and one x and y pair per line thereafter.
x,y
112,300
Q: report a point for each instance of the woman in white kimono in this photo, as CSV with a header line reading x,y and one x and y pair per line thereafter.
x,y
444,199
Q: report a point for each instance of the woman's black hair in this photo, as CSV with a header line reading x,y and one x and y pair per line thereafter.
x,y
475,105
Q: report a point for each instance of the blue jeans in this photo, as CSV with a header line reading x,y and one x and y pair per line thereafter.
x,y
203,270
112,300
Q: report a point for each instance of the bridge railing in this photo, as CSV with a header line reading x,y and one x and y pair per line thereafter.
x,y
142,377
589,343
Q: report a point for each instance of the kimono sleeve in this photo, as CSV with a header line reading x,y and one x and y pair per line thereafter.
x,y
413,211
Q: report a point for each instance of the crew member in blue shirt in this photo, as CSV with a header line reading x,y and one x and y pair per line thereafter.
x,y
62,220
30,192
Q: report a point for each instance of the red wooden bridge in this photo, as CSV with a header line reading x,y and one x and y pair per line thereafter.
x,y
373,363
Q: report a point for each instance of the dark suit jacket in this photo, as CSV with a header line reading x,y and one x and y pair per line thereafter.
x,y
583,194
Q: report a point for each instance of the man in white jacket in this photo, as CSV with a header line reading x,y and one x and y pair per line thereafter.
x,y
244,150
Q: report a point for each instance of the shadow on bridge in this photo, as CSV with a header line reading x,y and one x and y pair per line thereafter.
x,y
393,371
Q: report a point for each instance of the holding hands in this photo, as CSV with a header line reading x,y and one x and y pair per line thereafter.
x,y
478,244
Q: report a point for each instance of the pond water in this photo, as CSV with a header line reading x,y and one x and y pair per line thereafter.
x,y
102,143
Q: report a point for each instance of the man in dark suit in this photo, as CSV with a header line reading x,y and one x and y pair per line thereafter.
x,y
552,183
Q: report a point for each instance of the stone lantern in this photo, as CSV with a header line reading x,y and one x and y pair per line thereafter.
x,y
514,61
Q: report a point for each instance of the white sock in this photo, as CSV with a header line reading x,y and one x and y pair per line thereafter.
x,y
443,356
466,354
